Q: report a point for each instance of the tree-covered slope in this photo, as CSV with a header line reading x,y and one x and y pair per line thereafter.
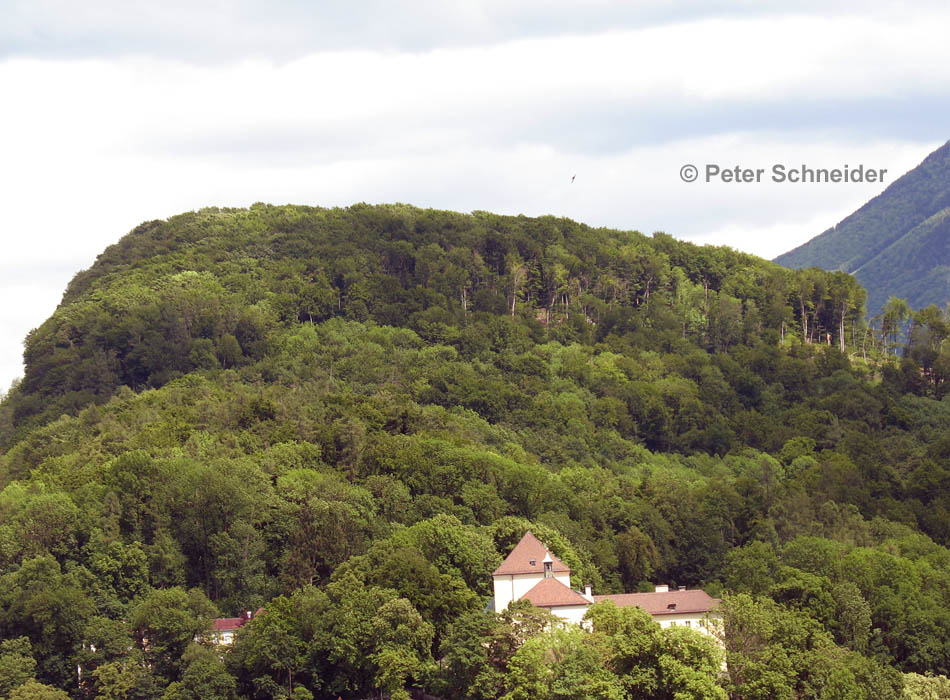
x,y
349,416
869,242
210,289
920,283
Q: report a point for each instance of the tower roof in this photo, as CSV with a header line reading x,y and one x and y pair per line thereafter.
x,y
528,557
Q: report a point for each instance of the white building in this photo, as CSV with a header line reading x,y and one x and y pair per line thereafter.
x,y
689,608
224,628
530,572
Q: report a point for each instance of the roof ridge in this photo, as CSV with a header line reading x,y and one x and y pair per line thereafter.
x,y
659,603
549,592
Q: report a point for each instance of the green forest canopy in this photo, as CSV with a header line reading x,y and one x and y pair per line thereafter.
x,y
349,416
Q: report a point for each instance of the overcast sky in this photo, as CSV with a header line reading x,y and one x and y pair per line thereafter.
x,y
119,111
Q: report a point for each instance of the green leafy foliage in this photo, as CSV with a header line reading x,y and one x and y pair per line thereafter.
x,y
348,417
17,664
33,690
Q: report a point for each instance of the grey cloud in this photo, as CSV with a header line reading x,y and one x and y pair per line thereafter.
x,y
203,30
573,127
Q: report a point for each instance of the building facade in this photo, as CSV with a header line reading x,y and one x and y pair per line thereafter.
x,y
531,572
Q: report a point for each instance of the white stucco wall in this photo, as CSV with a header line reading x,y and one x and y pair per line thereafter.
x,y
225,637
501,590
701,622
570,613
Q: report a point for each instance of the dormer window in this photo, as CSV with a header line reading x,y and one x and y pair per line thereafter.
x,y
533,562
548,569
671,606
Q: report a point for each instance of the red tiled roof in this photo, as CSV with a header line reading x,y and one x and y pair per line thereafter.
x,y
669,603
225,624
528,550
549,593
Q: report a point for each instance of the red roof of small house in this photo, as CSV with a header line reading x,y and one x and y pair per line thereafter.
x,y
668,603
228,624
528,558
225,624
551,593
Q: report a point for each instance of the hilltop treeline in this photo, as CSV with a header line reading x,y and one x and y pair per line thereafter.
x,y
348,417
211,289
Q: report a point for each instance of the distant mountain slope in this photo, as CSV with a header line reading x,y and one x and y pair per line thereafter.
x,y
894,243
915,267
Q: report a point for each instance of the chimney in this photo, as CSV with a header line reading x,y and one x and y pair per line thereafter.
x,y
588,593
662,588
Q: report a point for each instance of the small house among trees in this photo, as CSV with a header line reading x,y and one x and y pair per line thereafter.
x,y
223,629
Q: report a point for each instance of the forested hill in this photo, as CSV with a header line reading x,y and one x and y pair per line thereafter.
x,y
349,417
896,244
214,289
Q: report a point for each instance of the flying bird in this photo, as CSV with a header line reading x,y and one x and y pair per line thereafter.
x,y
572,178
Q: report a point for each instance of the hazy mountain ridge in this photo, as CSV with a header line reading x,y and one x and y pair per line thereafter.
x,y
869,242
